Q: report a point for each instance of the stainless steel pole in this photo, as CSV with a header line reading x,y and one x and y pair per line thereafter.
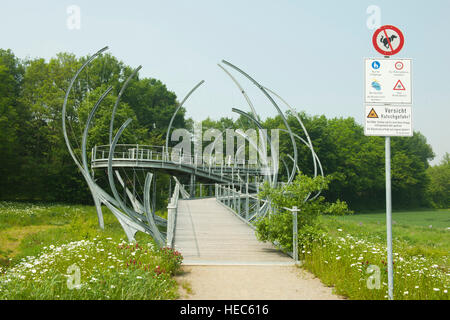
x,y
389,219
294,234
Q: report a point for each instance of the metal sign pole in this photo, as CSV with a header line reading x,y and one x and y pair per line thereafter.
x,y
375,101
389,219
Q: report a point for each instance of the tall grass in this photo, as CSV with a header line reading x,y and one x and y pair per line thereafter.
x,y
352,265
48,261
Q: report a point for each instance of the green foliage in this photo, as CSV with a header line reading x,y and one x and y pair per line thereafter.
x,y
356,245
110,268
34,162
438,190
356,162
277,226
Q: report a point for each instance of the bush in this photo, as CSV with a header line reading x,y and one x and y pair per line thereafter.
x,y
277,225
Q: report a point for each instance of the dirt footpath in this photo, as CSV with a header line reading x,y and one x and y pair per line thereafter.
x,y
265,282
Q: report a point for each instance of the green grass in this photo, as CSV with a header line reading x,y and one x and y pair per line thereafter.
x,y
410,228
349,245
436,218
38,244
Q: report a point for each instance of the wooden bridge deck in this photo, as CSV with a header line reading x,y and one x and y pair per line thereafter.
x,y
208,233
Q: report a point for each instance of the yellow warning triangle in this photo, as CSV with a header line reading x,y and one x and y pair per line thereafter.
x,y
372,114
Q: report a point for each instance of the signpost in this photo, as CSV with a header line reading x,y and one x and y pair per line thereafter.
x,y
388,99
388,81
388,121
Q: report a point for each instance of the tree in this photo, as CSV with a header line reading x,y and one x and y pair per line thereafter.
x,y
438,190
356,162
13,119
34,162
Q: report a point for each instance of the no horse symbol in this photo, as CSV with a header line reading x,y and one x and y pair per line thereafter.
x,y
388,40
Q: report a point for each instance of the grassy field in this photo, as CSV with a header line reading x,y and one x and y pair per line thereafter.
x,y
349,253
40,245
430,218
44,246
425,232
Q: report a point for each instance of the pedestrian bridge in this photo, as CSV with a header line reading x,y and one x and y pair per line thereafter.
x,y
208,232
172,161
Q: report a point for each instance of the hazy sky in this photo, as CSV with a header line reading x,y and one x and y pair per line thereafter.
x,y
310,52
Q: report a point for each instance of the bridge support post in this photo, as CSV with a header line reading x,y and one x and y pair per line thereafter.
x,y
192,186
134,184
154,194
239,202
247,200
170,188
294,234
258,208
234,198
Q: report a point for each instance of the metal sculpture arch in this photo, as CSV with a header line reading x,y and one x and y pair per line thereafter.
x,y
141,215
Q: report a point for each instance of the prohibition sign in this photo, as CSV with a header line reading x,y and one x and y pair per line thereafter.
x,y
388,40
399,65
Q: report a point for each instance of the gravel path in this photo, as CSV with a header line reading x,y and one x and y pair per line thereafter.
x,y
240,282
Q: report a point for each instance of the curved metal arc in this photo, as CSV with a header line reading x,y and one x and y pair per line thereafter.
x,y
137,206
262,133
295,113
286,167
86,128
309,194
309,145
64,108
313,153
85,174
260,127
263,156
276,107
157,235
132,215
178,108
122,90
249,102
316,159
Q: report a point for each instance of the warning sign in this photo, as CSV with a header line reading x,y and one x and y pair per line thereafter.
x,y
388,121
399,86
388,81
372,114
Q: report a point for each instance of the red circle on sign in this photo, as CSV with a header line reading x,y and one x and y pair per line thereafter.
x,y
399,65
377,45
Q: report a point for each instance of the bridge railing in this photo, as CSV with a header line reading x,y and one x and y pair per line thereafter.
x,y
237,198
172,210
161,153
249,207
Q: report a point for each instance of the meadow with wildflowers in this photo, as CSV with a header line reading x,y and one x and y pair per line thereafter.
x,y
76,260
348,251
350,255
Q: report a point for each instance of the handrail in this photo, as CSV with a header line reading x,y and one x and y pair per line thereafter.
x,y
161,153
232,199
172,210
